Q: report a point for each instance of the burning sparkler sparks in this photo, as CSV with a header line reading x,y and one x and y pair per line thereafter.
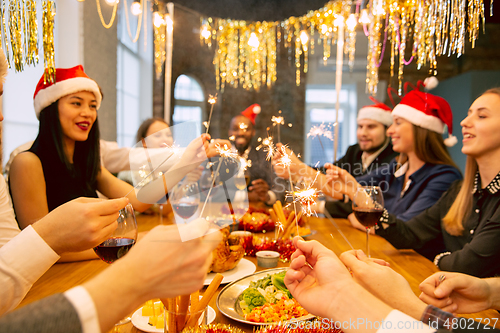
x,y
278,120
285,159
227,152
243,126
320,130
306,197
268,146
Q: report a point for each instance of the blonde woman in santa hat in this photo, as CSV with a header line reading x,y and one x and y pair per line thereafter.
x,y
424,169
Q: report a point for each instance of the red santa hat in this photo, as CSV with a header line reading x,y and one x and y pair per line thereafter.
x,y
427,111
251,112
68,81
378,112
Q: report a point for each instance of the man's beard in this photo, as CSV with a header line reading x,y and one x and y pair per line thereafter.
x,y
374,149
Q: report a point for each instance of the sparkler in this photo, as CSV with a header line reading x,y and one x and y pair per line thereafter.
x,y
268,146
320,130
307,198
277,121
211,100
285,162
228,153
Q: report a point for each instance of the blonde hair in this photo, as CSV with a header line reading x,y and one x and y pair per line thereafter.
x,y
4,66
461,208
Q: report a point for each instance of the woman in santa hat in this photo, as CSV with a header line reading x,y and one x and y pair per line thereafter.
x,y
64,163
464,225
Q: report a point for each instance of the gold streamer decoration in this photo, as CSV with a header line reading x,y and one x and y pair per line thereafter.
x,y
245,52
160,40
49,12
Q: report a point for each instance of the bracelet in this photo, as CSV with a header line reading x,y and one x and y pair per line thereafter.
x,y
439,257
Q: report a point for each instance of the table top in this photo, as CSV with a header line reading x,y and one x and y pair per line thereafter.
x,y
408,263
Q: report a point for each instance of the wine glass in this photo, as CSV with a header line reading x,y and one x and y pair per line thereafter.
x,y
241,180
368,206
120,242
185,199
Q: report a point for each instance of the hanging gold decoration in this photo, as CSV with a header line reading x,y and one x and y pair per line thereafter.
x,y
16,35
245,52
49,12
160,40
113,15
31,33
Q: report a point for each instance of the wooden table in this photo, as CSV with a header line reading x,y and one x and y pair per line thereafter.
x,y
410,264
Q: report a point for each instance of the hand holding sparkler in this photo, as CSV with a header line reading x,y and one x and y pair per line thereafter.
x,y
339,180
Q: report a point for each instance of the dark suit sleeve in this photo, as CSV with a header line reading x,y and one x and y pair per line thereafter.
x,y
54,314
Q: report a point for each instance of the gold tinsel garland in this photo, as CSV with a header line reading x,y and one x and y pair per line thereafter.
x,y
246,52
19,29
160,39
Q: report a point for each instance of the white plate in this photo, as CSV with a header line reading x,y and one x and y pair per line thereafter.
x,y
245,267
141,322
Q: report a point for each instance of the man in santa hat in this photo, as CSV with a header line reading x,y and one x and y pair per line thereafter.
x,y
373,150
264,186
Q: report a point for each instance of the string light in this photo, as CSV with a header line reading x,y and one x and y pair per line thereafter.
x,y
136,8
112,2
253,41
365,19
158,20
351,22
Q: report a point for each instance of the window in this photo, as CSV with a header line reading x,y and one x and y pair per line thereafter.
x,y
320,109
189,102
134,100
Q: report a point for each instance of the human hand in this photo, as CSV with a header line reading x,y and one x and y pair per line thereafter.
x,y
91,221
194,175
316,273
258,190
356,224
458,293
379,279
212,147
195,153
166,266
340,180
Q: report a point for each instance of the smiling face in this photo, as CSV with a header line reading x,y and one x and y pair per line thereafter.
x,y
159,135
401,133
481,136
242,129
370,134
77,114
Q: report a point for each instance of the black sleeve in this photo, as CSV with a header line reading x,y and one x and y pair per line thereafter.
x,y
54,314
421,229
338,209
479,257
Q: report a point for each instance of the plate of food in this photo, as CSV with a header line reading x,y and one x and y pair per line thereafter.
x,y
148,320
261,299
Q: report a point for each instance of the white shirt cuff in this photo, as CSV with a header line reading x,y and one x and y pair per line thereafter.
x,y
272,197
29,255
397,321
85,308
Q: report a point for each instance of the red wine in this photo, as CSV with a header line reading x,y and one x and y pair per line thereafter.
x,y
368,217
114,248
185,209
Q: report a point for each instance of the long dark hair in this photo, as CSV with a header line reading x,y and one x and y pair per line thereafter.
x,y
86,158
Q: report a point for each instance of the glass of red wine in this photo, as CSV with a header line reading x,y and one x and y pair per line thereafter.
x,y
185,199
368,206
120,242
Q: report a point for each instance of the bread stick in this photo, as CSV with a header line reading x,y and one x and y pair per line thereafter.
x,y
207,296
